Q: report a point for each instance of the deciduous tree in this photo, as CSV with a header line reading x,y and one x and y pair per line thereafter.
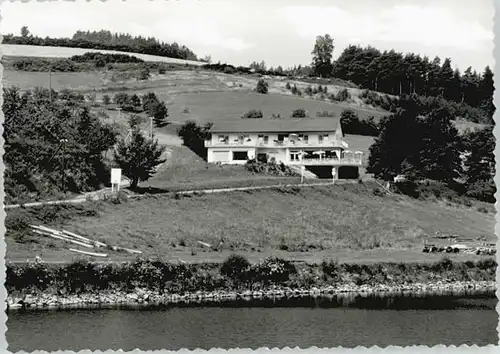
x,y
138,157
322,55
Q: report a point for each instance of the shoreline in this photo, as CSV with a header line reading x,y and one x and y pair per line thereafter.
x,y
141,297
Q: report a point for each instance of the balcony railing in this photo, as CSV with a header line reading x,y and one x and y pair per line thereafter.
x,y
274,144
347,161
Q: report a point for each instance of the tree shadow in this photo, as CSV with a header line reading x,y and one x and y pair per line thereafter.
x,y
194,136
198,148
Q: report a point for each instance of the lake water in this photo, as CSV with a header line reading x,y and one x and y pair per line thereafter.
x,y
304,322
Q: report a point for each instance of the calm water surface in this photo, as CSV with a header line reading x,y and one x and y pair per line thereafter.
x,y
302,322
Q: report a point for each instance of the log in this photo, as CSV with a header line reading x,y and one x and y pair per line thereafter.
x,y
84,238
89,253
61,234
130,251
55,232
66,235
100,244
47,229
204,244
45,233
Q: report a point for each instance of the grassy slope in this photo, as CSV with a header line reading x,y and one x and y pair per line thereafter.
x,y
325,221
185,170
28,80
213,106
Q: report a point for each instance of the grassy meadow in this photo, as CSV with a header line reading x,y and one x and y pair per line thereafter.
x,y
301,223
76,81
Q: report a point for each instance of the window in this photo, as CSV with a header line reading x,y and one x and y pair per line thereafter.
x,y
322,138
223,139
263,139
282,137
304,138
240,155
242,139
294,156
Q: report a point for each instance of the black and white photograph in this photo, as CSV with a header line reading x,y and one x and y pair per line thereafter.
x,y
200,174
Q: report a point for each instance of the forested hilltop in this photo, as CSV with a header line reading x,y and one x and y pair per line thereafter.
x,y
106,40
432,82
396,74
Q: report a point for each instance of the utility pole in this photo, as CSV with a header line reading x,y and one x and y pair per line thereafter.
x,y
50,83
63,145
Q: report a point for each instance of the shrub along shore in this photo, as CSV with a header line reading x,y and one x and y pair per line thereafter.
x,y
147,282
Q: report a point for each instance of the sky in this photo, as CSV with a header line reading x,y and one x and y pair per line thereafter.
x,y
279,32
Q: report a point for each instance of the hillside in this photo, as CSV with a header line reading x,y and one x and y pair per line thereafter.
x,y
306,223
204,96
341,221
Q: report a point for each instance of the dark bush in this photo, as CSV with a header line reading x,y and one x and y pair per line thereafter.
x,y
273,271
482,190
253,114
102,59
235,267
325,114
262,87
341,96
106,99
300,113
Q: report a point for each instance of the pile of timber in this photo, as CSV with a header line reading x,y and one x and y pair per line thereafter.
x,y
78,240
484,249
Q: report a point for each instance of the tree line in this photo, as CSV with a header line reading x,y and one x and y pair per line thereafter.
x,y
86,62
454,109
396,74
469,94
54,144
424,144
92,61
106,40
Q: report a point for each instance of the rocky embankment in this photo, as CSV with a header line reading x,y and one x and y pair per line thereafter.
x,y
153,282
146,297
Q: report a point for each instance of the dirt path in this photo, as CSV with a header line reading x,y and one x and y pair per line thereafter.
x,y
96,195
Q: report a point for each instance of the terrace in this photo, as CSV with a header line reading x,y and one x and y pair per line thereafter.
x,y
248,142
347,158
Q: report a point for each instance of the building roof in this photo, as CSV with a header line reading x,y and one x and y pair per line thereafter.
x,y
285,125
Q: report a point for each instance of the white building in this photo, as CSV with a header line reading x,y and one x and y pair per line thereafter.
x,y
294,141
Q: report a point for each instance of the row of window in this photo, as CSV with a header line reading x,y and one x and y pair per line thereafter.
x,y
224,139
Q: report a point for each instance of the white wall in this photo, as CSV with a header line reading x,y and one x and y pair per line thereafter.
x,y
213,159
281,154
